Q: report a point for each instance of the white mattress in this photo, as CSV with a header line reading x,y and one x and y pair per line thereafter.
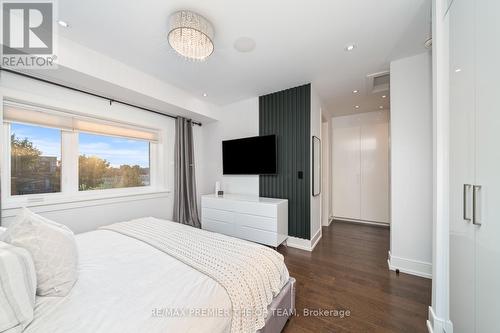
x,y
121,282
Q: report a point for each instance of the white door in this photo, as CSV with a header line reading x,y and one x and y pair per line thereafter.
x,y
488,166
346,168
360,164
462,116
475,159
375,167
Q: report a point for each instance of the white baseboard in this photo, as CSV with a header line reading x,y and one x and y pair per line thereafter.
x,y
327,222
409,266
345,219
304,244
429,327
438,325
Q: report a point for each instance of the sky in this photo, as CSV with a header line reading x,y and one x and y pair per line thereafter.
x,y
117,151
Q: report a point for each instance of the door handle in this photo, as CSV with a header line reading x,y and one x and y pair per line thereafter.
x,y
475,201
467,187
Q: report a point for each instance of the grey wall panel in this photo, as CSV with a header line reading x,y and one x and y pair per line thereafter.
x,y
287,114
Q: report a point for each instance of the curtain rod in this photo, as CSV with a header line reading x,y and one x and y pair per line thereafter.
x,y
111,100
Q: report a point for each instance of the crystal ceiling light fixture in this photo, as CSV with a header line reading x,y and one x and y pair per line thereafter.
x,y
191,35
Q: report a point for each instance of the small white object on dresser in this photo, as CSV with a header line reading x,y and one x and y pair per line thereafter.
x,y
257,219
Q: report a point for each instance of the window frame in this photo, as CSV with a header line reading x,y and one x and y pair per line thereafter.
x,y
69,171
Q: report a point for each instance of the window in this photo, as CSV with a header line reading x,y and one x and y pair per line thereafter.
x,y
57,156
35,159
110,162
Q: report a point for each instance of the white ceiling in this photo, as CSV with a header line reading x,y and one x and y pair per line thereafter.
x,y
296,42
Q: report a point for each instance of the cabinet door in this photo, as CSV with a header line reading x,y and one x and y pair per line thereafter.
x,y
375,167
488,165
346,168
462,110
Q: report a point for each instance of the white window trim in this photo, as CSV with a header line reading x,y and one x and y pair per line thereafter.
x,y
69,176
45,207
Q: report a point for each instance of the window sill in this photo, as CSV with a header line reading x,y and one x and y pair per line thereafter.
x,y
58,201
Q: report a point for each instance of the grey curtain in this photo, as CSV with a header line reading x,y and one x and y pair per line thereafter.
x,y
185,202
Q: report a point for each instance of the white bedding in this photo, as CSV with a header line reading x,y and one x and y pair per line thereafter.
x,y
121,282
251,274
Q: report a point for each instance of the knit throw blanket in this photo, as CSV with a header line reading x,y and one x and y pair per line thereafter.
x,y
251,274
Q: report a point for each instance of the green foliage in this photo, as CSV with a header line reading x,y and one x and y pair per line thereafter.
x,y
91,172
32,172
24,155
131,176
96,173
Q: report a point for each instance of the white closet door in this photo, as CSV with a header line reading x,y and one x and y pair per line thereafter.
x,y
346,168
375,167
487,166
462,111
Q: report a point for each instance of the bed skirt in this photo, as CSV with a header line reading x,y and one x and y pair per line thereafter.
x,y
281,309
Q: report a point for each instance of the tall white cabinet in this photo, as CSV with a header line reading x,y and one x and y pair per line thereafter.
x,y
360,167
475,166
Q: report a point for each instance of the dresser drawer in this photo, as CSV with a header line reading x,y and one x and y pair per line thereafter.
x,y
256,222
246,207
219,227
255,208
259,236
218,215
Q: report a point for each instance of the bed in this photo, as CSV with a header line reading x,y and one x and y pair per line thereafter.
x,y
128,285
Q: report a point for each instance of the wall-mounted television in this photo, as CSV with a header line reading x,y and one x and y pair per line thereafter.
x,y
249,156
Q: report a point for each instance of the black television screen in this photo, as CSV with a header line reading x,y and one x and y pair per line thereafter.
x,y
249,156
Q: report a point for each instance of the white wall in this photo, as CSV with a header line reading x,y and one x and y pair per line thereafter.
x,y
439,311
411,165
237,120
85,216
326,172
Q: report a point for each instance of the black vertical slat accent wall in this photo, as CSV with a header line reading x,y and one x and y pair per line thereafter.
x,y
287,114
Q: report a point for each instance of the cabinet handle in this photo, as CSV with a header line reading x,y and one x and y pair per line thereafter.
x,y
467,187
475,200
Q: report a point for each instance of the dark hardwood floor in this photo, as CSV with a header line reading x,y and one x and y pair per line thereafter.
x,y
348,271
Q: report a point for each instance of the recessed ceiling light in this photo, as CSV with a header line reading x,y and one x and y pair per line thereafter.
x,y
63,23
381,107
384,96
356,106
355,91
205,94
350,47
458,70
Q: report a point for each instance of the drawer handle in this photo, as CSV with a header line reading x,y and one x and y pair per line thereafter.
x,y
476,196
467,187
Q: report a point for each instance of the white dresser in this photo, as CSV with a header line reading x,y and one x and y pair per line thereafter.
x,y
257,219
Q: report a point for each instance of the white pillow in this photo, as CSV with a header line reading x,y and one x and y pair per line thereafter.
x,y
17,288
53,249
